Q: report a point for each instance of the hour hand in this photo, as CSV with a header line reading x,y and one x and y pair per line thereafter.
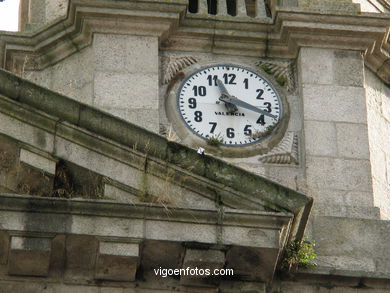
x,y
224,93
242,104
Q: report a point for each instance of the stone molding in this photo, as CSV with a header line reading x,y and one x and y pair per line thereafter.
x,y
92,211
117,230
280,37
82,240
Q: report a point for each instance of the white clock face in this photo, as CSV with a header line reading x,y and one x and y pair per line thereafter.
x,y
228,103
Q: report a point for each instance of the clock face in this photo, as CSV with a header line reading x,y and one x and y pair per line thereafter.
x,y
230,104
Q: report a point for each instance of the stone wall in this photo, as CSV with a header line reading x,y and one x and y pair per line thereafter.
x,y
338,170
118,73
36,13
378,118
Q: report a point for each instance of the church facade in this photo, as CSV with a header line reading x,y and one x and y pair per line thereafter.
x,y
141,141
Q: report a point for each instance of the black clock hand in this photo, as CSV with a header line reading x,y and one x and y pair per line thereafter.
x,y
224,93
237,102
222,88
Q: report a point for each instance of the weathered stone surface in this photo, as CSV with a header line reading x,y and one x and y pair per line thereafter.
x,y
114,193
244,287
378,96
180,232
161,254
334,103
99,226
347,211
347,263
115,91
125,53
81,254
320,138
352,140
72,76
21,131
119,248
343,6
9,163
251,237
116,268
4,247
29,256
30,243
126,77
347,239
146,118
99,163
381,198
37,13
353,197
37,161
316,66
202,260
340,174
349,68
250,263
58,256
55,9
25,287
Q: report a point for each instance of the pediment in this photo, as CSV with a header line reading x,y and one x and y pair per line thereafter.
x,y
86,153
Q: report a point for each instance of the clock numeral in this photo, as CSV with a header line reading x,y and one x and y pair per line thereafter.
x,y
232,77
199,90
212,80
246,82
260,91
248,130
198,116
230,132
192,103
261,120
214,124
268,105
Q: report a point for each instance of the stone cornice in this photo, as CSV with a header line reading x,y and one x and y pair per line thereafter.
x,y
54,42
244,218
134,227
280,37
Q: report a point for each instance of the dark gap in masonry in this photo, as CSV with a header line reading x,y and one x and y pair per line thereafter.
x,y
212,6
231,7
193,6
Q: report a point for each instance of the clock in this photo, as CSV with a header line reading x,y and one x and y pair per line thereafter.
x,y
230,105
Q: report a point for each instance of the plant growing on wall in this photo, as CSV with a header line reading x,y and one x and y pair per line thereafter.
x,y
215,140
299,254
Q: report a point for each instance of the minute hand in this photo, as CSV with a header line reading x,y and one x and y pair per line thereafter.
x,y
245,105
